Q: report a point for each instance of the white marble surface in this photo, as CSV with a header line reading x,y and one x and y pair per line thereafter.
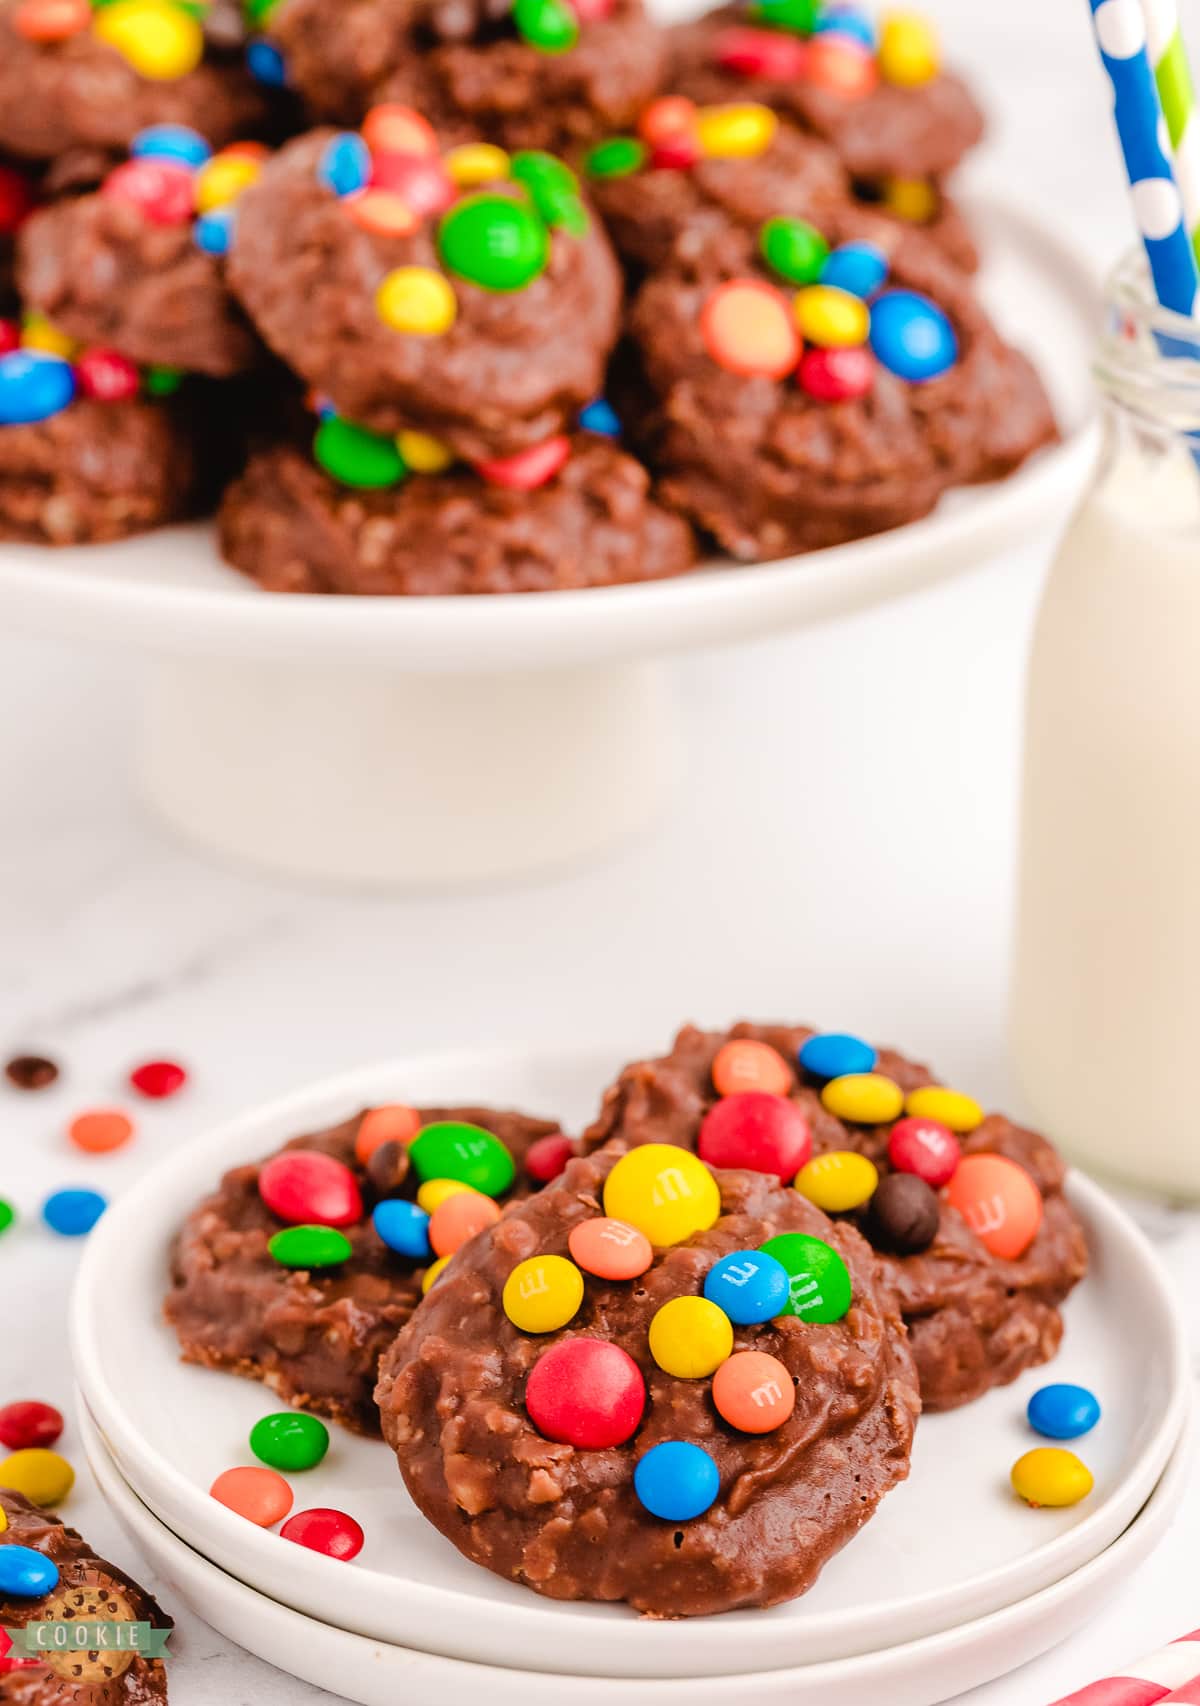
x,y
841,849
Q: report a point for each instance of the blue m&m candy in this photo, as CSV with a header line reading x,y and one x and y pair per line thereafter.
x,y
26,1574
33,386
845,21
214,231
404,1228
1063,1412
911,336
345,166
176,142
600,417
72,1213
834,1054
265,63
749,1286
676,1480
860,268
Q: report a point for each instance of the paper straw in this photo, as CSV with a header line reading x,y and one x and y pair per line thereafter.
x,y
1150,1681
1177,96
1121,36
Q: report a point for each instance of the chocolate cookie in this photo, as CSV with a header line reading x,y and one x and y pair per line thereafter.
x,y
798,388
524,75
139,265
315,1335
976,1319
293,528
659,191
79,76
482,314
544,1450
78,1584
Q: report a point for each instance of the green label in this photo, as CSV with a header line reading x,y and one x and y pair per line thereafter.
x,y
84,1635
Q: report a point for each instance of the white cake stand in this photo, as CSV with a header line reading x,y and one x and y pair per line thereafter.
x,y
455,740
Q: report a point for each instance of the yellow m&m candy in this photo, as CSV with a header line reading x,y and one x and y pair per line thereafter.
x,y
950,1107
44,1477
911,199
1051,1476
39,333
831,318
735,132
423,454
864,1098
433,1273
477,163
223,178
690,1337
839,1181
542,1293
663,1191
418,301
433,1193
160,40
908,49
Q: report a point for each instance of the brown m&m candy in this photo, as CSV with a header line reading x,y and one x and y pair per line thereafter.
x,y
904,1214
388,1168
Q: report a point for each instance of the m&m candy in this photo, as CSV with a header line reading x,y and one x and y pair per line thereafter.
x,y
549,25
33,386
7,1214
1063,1412
754,1129
863,1098
668,1194
355,456
908,50
31,1072
100,1130
422,453
26,1573
911,336
745,1064
904,1215
836,375
860,268
421,182
474,163
676,1480
818,1279
261,1496
161,40
600,417
289,1440
345,164
177,142
388,1169
493,241
999,1202
266,64
761,53
391,128
393,1122
384,212
157,1079
547,1156
835,1054
842,66
950,1108
43,1476
841,20
831,319
749,1286
29,1423
455,1149
403,1227
838,1181
619,157
526,470
795,249
925,1147
310,1247
454,1222
433,1274
417,301
799,16
690,1337
163,192
915,200
1050,1476
735,132
669,115
306,1187
748,328
587,1393
433,1193
72,1213
754,1392
332,1533
610,1249
542,1293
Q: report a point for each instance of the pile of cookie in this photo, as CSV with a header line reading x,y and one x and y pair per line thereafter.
x,y
677,1361
472,299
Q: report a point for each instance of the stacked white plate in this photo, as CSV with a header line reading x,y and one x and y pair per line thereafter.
x,y
954,1581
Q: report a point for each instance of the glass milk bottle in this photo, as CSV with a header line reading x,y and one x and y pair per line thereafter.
x,y
1105,1018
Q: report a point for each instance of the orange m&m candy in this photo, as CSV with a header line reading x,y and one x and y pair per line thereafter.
x,y
753,1392
668,117
260,1495
841,66
395,129
391,1123
100,1130
748,1065
748,328
458,1218
383,212
610,1249
999,1202
52,20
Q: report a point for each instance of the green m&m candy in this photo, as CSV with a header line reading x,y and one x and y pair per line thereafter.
x,y
798,16
493,241
553,189
162,381
7,1215
818,1279
310,1247
619,157
550,25
794,248
453,1149
355,456
289,1440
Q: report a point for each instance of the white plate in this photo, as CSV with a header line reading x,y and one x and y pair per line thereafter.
x,y
917,1673
168,590
949,1545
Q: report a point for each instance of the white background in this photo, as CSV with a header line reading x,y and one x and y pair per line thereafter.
x,y
840,852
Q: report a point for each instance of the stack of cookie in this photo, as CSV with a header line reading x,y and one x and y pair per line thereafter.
x,y
677,1363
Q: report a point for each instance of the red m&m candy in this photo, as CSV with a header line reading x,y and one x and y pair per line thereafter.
x,y
924,1147
28,1425
762,53
306,1188
999,1202
545,1159
16,200
165,193
834,375
420,181
753,1129
675,153
158,1079
111,378
330,1532
10,336
528,469
587,1393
